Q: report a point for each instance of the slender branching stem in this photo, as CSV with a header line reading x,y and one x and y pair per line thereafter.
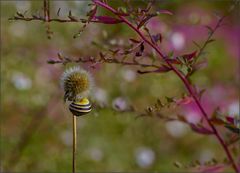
x,y
74,145
180,75
46,10
211,32
40,18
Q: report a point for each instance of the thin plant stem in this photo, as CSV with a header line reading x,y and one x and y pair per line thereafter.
x,y
183,79
46,10
74,145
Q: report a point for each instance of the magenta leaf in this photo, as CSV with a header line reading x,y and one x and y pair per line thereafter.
x,y
213,168
230,119
173,61
200,129
190,56
184,101
163,68
106,20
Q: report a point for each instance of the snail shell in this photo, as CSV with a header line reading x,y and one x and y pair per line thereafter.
x,y
79,108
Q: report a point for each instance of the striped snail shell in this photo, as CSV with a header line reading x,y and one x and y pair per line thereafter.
x,y
79,108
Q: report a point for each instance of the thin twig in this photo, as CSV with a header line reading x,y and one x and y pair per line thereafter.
x,y
210,35
105,60
46,10
74,146
40,18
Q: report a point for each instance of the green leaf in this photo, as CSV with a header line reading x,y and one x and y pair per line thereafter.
x,y
233,128
169,99
170,54
178,164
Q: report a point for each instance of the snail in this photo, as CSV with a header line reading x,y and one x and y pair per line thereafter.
x,y
82,107
77,84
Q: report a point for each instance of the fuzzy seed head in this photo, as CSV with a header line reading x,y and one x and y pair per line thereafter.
x,y
77,83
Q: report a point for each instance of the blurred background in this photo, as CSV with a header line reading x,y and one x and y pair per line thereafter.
x,y
36,126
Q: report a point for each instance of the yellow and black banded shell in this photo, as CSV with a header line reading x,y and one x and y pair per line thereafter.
x,y
79,108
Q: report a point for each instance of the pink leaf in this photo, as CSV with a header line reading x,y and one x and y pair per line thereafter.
x,y
190,56
200,129
164,12
230,119
184,101
163,68
214,168
51,61
173,61
106,20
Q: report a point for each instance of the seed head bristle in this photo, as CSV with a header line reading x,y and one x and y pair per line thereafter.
x,y
76,83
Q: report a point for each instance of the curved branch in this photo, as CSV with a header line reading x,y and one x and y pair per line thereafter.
x,y
178,73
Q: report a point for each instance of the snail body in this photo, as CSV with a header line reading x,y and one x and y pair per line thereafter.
x,y
79,108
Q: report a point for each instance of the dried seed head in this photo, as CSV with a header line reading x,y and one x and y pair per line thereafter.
x,y
77,84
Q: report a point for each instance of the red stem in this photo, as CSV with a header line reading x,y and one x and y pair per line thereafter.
x,y
178,73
